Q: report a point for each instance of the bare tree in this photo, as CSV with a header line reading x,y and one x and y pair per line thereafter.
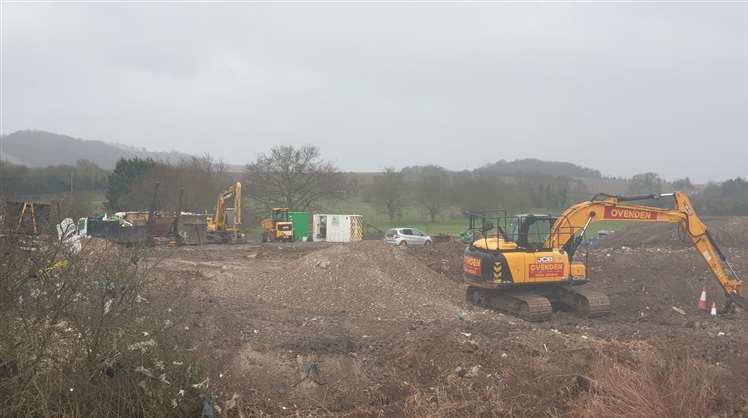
x,y
292,177
387,190
431,190
131,184
684,185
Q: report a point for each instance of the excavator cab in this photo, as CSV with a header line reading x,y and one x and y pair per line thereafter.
x,y
495,230
530,231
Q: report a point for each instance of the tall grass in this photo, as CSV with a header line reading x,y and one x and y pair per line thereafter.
x,y
621,380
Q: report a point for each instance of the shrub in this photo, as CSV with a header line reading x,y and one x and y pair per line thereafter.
x,y
78,337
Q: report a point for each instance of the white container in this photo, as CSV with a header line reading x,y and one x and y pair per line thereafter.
x,y
338,228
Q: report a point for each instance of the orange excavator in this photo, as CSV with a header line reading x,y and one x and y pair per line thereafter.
x,y
531,265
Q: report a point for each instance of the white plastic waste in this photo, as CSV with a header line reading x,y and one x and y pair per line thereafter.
x,y
67,233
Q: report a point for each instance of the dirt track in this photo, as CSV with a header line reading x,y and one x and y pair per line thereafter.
x,y
370,330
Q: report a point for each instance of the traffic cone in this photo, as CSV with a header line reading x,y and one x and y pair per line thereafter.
x,y
702,300
713,312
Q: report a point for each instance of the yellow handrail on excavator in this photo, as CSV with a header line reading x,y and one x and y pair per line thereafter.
x,y
568,230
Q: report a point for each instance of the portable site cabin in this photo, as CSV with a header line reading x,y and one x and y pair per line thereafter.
x,y
338,228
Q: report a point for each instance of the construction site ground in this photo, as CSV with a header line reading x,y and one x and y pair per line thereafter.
x,y
366,329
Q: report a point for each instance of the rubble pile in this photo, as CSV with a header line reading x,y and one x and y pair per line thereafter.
x,y
367,279
645,283
443,257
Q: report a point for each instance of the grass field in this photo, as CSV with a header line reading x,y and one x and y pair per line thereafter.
x,y
452,222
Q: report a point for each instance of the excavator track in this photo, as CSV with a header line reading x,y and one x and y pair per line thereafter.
x,y
536,306
586,301
527,305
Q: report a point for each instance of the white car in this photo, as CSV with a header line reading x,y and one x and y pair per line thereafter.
x,y
407,236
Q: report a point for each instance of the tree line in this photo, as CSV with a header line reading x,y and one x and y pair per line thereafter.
x,y
435,190
299,178
132,184
83,176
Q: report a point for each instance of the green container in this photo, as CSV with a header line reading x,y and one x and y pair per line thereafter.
x,y
300,221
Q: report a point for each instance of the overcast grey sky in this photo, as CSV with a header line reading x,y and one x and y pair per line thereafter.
x,y
624,88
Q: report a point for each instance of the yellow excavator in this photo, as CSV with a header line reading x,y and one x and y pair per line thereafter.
x,y
225,224
526,268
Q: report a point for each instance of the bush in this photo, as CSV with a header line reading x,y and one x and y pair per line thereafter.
x,y
636,380
78,338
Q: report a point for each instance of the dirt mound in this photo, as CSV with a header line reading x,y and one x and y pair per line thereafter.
x,y
645,283
367,279
728,232
443,257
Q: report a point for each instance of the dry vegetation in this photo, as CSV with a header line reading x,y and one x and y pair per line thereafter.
x,y
616,380
637,380
79,339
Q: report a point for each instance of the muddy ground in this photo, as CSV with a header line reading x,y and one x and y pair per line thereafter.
x,y
365,329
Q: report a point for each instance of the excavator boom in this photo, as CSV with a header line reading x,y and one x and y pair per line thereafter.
x,y
567,231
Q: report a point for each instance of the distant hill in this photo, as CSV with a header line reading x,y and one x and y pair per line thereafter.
x,y
533,165
41,149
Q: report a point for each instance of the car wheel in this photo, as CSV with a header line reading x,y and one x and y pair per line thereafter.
x,y
403,243
427,244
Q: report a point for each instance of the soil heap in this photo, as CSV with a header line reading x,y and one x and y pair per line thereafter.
x,y
366,279
443,257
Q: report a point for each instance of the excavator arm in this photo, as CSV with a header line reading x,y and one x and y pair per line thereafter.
x,y
238,205
568,231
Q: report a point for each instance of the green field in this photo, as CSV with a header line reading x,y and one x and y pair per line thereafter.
x,y
452,222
